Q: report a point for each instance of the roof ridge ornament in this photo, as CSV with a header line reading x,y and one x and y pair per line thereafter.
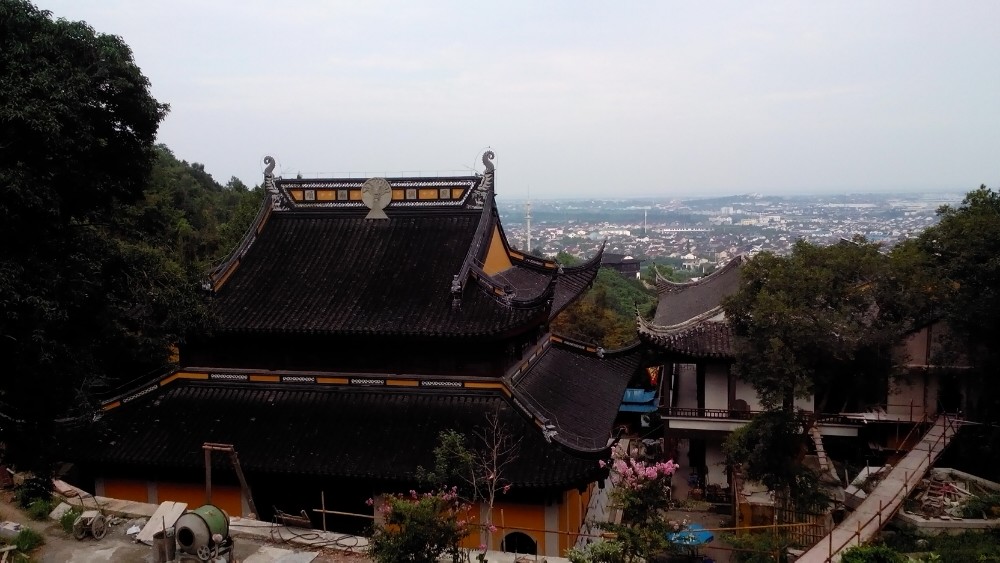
x,y
376,193
278,200
488,156
485,188
456,293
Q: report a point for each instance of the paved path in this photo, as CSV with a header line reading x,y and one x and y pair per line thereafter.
x,y
880,506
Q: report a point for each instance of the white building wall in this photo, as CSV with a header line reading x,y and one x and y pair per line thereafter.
x,y
915,394
806,403
717,386
687,386
746,392
716,462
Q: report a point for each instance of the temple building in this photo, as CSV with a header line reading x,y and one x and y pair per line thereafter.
x,y
357,320
701,400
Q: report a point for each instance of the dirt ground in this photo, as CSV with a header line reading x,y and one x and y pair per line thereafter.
x,y
118,547
717,550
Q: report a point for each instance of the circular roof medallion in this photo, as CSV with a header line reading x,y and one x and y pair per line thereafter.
x,y
376,194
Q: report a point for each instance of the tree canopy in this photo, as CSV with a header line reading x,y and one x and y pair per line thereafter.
x,y
962,252
98,277
821,320
606,312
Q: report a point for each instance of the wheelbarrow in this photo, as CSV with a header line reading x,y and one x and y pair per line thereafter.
x,y
91,522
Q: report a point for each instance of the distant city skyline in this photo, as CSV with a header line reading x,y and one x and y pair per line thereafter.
x,y
578,99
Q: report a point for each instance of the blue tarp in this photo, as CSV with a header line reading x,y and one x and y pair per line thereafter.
x,y
633,395
693,536
638,400
631,407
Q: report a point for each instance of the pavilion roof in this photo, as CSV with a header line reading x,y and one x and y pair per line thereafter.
x,y
689,320
680,302
315,262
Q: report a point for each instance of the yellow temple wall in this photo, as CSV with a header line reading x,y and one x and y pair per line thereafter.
x,y
564,517
226,497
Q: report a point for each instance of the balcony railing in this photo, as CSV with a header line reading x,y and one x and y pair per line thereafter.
x,y
729,414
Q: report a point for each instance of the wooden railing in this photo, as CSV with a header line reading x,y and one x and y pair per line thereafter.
x,y
887,510
729,414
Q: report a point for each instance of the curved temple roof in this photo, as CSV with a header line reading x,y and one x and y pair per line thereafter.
x,y
319,260
575,390
314,262
689,320
359,433
533,276
680,302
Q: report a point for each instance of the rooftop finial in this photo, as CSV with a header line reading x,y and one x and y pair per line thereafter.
x,y
269,161
487,161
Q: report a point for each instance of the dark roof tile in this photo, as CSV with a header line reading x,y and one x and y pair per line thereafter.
x,y
331,432
680,302
338,273
578,392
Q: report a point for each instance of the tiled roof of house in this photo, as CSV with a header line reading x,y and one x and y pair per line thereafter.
x,y
568,282
703,337
339,273
689,320
680,302
578,391
610,258
380,435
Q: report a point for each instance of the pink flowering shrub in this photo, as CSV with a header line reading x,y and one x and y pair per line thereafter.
x,y
642,492
419,528
641,489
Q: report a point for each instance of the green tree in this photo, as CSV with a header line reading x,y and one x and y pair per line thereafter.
x,y
419,528
769,449
960,254
479,473
185,210
606,312
957,270
821,321
87,296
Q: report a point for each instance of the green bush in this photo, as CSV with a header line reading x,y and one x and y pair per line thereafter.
x,y
420,528
33,488
27,540
760,547
967,547
39,509
600,552
981,506
872,554
68,518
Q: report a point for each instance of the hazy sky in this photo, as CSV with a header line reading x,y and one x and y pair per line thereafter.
x,y
578,98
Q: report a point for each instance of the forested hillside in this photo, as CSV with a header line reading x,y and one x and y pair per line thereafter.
x,y
107,236
605,314
187,210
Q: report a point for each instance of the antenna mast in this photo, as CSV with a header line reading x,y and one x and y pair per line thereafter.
x,y
527,220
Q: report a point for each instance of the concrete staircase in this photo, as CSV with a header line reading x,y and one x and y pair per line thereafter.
x,y
883,502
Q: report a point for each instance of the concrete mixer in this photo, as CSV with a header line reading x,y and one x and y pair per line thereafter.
x,y
204,533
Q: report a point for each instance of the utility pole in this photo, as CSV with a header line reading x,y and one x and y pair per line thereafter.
x,y
527,228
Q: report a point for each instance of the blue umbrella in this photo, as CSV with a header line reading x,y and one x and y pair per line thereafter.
x,y
693,536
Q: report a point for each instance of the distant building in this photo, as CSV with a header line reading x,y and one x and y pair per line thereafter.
x,y
627,266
